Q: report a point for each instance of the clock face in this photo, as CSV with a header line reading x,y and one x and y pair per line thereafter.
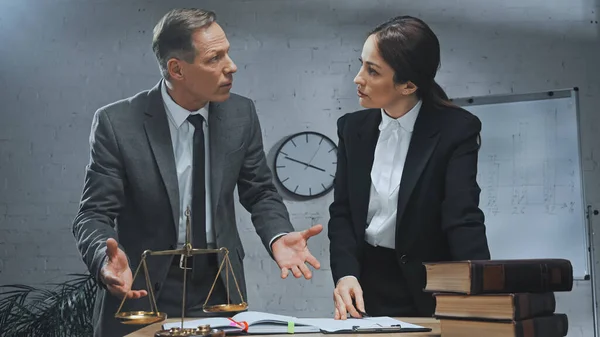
x,y
305,164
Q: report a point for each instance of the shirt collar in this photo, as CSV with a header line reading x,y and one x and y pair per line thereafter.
x,y
407,121
177,114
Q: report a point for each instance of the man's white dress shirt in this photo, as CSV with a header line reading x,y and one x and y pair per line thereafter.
x,y
182,137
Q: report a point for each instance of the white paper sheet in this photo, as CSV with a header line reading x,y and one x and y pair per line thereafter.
x,y
262,322
332,325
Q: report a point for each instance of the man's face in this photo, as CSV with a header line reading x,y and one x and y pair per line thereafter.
x,y
210,76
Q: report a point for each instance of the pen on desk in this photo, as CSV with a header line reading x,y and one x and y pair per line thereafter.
x,y
362,313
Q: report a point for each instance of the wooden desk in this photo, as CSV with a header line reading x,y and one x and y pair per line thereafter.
x,y
432,323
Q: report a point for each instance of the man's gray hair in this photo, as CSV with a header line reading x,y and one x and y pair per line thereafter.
x,y
172,35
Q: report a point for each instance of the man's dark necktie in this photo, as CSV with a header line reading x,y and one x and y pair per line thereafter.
x,y
198,220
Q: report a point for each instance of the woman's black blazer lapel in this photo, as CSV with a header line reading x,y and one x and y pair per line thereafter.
x,y
424,139
364,151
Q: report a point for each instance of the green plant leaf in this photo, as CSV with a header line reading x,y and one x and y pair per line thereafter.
x,y
64,310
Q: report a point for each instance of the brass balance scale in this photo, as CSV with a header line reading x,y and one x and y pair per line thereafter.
x,y
154,316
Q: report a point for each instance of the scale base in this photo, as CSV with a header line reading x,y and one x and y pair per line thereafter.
x,y
201,331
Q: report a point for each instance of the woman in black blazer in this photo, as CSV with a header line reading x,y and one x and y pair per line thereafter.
x,y
405,188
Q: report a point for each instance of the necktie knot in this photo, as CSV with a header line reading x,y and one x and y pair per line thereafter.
x,y
196,120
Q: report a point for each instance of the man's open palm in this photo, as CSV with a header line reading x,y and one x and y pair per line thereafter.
x,y
291,252
116,274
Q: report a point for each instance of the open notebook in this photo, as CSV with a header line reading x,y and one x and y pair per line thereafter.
x,y
254,322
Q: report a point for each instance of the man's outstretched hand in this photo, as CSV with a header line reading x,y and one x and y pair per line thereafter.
x,y
291,252
116,274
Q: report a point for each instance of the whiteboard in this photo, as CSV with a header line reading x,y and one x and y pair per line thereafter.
x,y
530,175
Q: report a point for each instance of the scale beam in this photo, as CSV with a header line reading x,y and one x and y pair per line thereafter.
x,y
154,315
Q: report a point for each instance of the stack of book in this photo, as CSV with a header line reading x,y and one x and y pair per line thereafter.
x,y
498,298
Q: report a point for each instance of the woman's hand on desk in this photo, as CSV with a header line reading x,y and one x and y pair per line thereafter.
x,y
346,293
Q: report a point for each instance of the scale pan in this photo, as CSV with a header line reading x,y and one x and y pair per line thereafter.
x,y
226,307
140,317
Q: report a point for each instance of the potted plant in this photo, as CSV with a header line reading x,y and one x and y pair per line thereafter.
x,y
63,309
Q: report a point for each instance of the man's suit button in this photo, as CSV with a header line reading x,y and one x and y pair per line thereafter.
x,y
156,286
403,259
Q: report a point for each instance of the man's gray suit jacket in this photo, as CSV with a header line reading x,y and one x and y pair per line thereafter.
x,y
131,193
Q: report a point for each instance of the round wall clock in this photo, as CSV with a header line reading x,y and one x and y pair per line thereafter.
x,y
305,164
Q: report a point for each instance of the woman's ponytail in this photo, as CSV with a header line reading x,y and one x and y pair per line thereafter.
x,y
436,95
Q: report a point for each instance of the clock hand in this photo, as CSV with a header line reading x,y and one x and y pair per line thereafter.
x,y
299,162
313,157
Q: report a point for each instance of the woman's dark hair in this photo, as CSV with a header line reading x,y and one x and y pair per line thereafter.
x,y
411,48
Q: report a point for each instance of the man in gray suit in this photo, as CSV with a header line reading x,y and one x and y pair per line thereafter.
x,y
184,144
